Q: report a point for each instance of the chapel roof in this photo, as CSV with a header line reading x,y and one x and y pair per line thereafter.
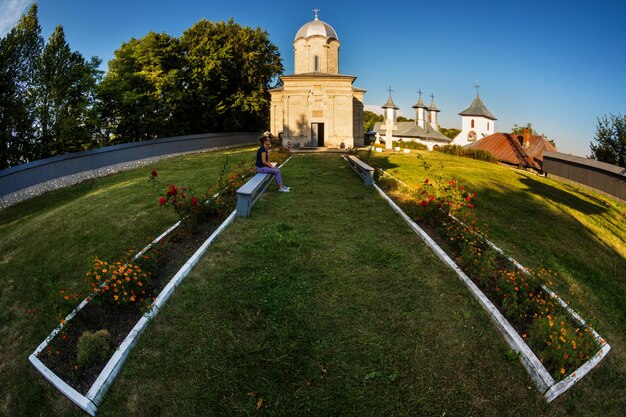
x,y
413,130
477,108
509,147
432,106
419,104
316,28
390,104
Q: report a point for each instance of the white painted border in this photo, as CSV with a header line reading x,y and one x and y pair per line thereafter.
x,y
540,376
92,400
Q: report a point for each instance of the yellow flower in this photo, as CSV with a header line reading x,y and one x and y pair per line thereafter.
x,y
563,371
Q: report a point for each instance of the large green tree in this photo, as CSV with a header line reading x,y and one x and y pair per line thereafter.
x,y
66,87
141,91
20,51
227,73
370,119
610,140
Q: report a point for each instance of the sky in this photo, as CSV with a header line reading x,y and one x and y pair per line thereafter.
x,y
558,64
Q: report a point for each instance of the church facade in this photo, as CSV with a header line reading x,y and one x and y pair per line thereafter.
x,y
476,122
424,130
316,106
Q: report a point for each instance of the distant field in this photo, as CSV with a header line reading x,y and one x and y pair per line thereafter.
x,y
322,303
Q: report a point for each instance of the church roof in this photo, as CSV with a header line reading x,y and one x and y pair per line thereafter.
x,y
419,105
412,130
432,106
390,104
509,147
316,28
477,108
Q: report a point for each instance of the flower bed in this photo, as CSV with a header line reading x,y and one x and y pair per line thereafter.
x,y
557,346
83,355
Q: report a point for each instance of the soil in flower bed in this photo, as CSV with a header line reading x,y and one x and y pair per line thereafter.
x,y
61,354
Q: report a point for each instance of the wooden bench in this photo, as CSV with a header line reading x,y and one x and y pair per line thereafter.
x,y
365,171
250,192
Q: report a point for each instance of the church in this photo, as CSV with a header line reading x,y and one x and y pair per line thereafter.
x,y
424,130
476,122
317,106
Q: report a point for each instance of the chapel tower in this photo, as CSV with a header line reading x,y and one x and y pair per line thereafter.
x,y
476,122
316,106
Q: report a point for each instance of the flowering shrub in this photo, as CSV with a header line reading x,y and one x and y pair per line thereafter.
x,y
223,195
117,282
559,342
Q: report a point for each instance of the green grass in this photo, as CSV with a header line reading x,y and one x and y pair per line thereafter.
x,y
47,244
322,303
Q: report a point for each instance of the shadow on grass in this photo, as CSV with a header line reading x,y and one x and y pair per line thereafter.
x,y
559,196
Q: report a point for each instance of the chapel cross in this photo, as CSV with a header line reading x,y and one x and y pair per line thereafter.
x,y
390,90
419,92
432,97
477,86
316,11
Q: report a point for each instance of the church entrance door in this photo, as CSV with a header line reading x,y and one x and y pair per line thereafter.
x,y
317,134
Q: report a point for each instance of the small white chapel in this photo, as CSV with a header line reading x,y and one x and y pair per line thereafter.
x,y
476,122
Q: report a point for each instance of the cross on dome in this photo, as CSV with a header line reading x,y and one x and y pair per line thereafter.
x,y
316,11
390,90
477,86
432,97
419,92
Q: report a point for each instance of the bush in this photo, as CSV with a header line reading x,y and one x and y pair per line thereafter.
x,y
409,144
457,150
93,347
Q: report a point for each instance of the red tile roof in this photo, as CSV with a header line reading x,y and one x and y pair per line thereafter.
x,y
509,147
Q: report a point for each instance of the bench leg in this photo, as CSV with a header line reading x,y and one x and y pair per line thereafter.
x,y
243,205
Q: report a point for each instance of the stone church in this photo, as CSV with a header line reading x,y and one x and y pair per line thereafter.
x,y
317,106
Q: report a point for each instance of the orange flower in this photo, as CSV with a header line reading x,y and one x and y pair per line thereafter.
x,y
562,371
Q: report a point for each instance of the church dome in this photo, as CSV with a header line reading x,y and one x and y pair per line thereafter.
x,y
316,28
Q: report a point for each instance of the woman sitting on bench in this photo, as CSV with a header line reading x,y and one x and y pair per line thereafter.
x,y
264,166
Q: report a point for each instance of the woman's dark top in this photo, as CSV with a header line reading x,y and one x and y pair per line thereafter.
x,y
259,160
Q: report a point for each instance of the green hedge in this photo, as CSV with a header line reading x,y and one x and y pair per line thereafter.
x,y
468,153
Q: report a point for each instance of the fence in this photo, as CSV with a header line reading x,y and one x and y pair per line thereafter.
x,y
26,175
607,178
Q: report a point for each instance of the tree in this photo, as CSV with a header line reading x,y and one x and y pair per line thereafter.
x,y
228,69
20,51
66,87
451,133
611,140
370,119
141,92
404,119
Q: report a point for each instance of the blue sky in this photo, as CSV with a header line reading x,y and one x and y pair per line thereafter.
x,y
555,63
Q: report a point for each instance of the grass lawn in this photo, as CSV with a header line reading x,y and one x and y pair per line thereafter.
x,y
543,223
46,245
322,303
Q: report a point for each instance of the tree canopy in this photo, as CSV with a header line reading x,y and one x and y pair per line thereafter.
x,y
369,120
610,146
214,78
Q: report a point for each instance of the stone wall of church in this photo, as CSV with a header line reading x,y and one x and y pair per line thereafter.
x,y
327,53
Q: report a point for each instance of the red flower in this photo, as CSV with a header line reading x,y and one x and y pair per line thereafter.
x,y
162,201
452,183
468,198
424,203
153,173
172,190
194,201
431,198
426,181
471,205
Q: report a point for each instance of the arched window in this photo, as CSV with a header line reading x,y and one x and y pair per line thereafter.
x,y
316,60
472,123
